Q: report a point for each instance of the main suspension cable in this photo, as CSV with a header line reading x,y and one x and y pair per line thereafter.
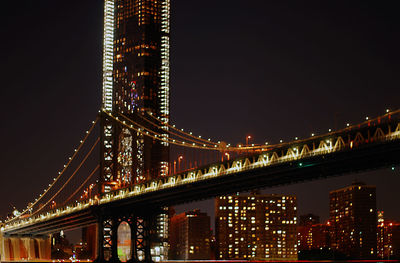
x,y
176,129
155,136
82,185
66,166
176,134
69,179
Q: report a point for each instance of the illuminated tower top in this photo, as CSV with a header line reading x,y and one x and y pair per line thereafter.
x,y
136,57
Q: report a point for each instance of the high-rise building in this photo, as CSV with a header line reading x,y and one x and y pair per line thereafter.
x,y
256,227
314,236
388,238
353,220
136,85
304,231
320,236
190,236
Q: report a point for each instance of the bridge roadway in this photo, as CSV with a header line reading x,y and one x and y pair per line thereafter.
x,y
371,145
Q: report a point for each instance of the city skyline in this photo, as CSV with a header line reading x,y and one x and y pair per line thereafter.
x,y
50,105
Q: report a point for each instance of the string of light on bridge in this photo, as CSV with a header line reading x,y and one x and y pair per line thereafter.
x,y
192,142
70,178
199,142
60,173
342,140
132,125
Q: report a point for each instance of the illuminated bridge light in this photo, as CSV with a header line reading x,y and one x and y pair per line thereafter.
x,y
234,166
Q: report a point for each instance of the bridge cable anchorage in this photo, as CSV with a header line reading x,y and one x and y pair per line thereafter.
x,y
70,160
69,179
82,185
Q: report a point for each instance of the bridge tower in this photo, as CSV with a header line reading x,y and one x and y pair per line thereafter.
x,y
135,83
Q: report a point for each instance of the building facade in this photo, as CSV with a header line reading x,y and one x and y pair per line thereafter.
x,y
190,236
353,220
388,238
136,85
311,234
256,227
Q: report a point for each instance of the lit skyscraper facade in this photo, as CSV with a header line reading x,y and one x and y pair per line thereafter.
x,y
353,220
135,83
388,238
256,227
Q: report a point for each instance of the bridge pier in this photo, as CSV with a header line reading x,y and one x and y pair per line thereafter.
x,y
142,231
20,248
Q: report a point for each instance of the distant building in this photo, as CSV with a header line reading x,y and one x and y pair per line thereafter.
x,y
304,231
304,238
190,236
89,241
256,227
314,236
60,246
353,221
308,220
388,238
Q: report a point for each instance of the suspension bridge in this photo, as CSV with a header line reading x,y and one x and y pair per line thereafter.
x,y
373,144
132,164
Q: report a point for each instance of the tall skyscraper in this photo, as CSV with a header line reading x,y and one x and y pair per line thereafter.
x,y
256,227
135,84
353,220
190,236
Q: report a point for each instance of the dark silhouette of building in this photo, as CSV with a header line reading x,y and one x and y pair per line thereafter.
x,y
353,220
190,236
60,246
308,220
320,236
89,242
256,227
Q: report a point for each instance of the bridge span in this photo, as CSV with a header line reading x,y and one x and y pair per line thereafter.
x,y
370,145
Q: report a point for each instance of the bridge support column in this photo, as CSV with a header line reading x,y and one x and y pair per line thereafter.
x,y
143,232
114,241
141,238
100,241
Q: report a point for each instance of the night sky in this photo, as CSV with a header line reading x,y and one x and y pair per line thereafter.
x,y
271,69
